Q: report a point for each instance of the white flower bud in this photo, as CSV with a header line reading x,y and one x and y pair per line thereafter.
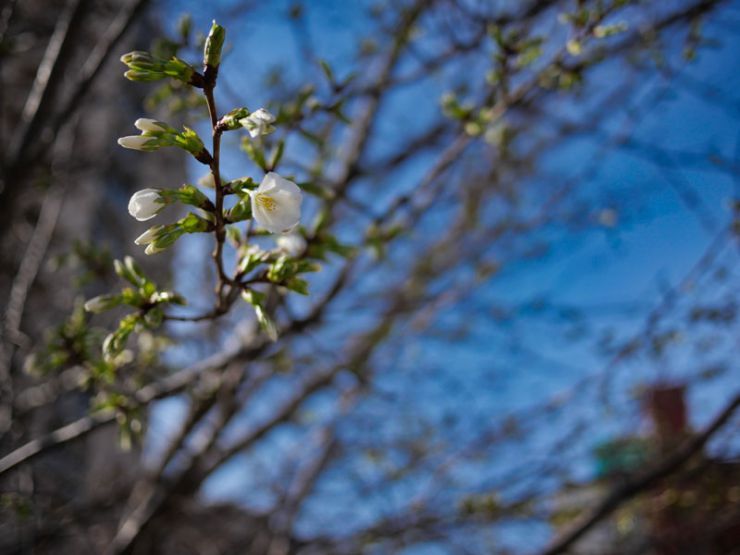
x,y
152,249
136,142
147,124
207,181
100,303
258,123
276,203
292,244
145,204
148,236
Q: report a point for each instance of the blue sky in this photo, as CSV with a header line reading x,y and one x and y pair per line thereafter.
x,y
506,365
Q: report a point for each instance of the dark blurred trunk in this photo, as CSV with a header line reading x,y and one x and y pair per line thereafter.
x,y
62,186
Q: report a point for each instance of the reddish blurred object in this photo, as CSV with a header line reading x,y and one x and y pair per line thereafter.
x,y
666,408
695,511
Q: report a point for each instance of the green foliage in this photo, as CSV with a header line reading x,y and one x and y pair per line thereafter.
x,y
20,505
216,216
74,342
144,296
257,300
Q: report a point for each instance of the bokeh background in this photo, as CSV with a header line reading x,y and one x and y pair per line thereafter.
x,y
530,339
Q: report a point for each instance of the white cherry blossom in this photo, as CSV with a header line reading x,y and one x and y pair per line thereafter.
x,y
276,203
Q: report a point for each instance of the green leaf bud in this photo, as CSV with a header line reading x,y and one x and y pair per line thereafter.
x,y
214,45
230,121
241,211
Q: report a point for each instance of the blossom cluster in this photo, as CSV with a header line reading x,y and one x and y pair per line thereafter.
x,y
273,202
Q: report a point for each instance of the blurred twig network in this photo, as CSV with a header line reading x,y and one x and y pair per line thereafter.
x,y
419,277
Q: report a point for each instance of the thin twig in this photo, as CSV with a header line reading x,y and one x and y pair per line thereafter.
x,y
87,76
48,75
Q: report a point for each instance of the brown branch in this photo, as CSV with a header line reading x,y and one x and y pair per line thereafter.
x,y
88,74
28,271
48,76
220,231
24,279
203,463
299,489
170,385
304,481
642,482
166,387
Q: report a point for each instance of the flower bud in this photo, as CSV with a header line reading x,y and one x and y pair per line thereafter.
x,y
149,235
139,75
138,59
258,123
151,125
138,142
232,120
160,237
156,134
151,248
102,303
293,244
145,204
214,45
145,67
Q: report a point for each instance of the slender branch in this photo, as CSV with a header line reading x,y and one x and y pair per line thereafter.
x,y
48,75
25,161
87,76
170,385
22,283
220,230
29,269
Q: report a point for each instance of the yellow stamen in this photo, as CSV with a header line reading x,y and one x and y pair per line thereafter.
x,y
266,202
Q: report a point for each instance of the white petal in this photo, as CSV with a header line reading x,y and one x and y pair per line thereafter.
x,y
262,115
96,304
207,181
268,183
288,187
134,142
145,204
286,197
151,249
147,124
258,123
148,236
264,217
